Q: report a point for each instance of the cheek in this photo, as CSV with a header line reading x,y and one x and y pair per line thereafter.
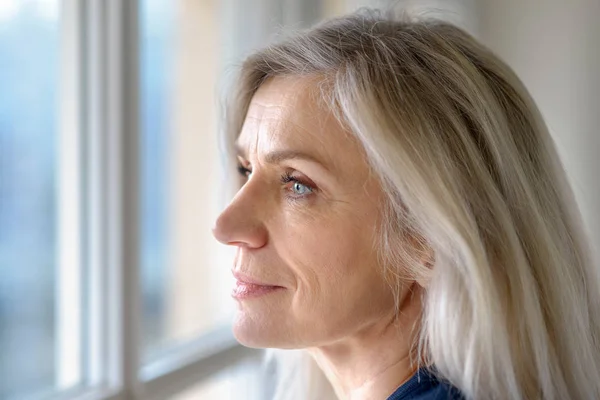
x,y
335,266
329,235
322,248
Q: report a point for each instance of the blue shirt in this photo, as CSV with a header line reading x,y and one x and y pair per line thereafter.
x,y
425,386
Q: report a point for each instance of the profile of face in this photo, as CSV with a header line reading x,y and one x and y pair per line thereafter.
x,y
305,223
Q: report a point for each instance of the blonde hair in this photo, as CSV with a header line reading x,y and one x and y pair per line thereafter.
x,y
511,310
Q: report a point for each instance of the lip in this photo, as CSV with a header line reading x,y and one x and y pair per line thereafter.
x,y
248,287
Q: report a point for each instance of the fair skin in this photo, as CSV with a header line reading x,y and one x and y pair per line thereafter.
x,y
304,224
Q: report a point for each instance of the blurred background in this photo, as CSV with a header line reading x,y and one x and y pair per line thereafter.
x,y
51,318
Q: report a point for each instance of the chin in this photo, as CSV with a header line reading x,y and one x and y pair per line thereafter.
x,y
260,333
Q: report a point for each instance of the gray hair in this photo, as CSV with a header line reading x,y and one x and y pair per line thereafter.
x,y
511,309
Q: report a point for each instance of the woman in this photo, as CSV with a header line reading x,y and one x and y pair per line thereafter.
x,y
403,218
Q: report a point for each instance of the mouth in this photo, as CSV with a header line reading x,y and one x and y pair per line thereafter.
x,y
247,287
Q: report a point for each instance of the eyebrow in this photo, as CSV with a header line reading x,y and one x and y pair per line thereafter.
x,y
278,156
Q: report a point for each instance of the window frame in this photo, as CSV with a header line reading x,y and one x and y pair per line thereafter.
x,y
70,274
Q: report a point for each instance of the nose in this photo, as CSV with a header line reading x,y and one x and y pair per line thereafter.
x,y
240,223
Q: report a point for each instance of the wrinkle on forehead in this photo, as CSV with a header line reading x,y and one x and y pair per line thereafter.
x,y
284,100
286,112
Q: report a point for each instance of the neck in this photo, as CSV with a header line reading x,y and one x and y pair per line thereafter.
x,y
375,361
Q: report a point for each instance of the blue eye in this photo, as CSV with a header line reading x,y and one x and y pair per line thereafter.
x,y
297,188
300,189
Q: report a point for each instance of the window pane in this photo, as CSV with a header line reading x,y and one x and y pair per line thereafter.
x,y
34,324
185,274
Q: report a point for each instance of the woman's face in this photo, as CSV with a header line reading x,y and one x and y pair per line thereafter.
x,y
304,223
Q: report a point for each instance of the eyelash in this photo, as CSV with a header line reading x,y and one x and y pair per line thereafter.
x,y
285,179
243,171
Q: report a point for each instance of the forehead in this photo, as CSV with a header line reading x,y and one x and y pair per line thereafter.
x,y
286,113
283,109
285,99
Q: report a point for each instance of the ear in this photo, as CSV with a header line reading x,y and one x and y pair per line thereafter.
x,y
425,278
424,256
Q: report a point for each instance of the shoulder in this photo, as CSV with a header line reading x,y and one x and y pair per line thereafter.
x,y
425,386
